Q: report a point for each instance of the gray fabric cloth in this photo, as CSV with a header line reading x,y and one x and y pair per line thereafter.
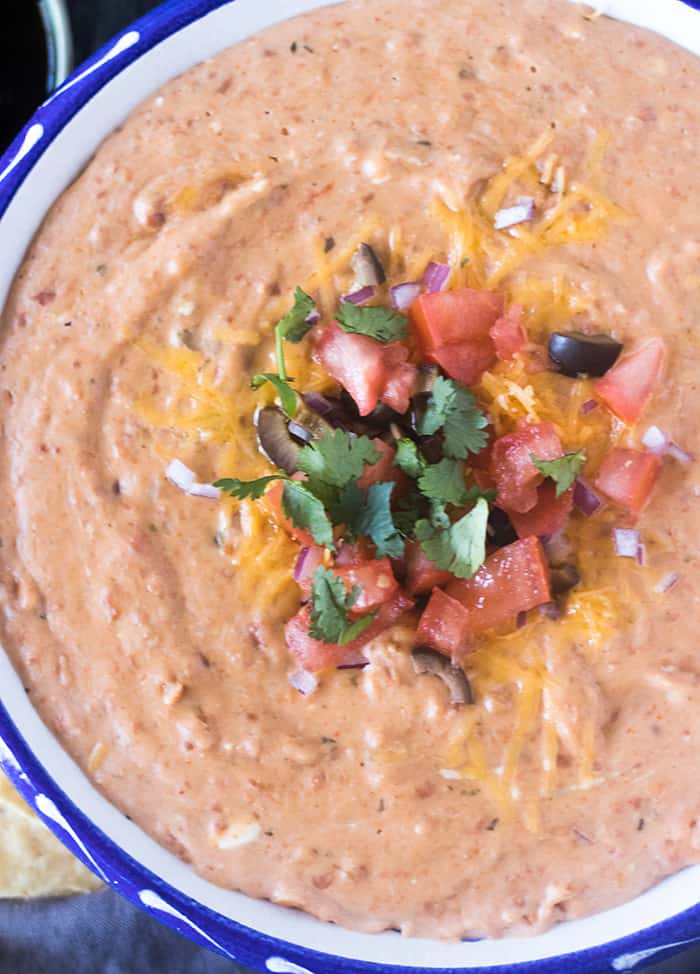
x,y
104,934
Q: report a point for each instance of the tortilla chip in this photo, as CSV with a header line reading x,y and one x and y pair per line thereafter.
x,y
32,861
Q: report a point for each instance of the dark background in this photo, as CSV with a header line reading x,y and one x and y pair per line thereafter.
x,y
102,933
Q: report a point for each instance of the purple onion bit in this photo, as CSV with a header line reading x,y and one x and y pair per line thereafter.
x,y
300,563
550,610
403,295
521,620
510,216
627,542
313,318
585,500
303,681
320,404
435,276
359,297
588,406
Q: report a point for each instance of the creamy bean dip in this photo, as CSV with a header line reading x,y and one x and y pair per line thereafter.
x,y
148,624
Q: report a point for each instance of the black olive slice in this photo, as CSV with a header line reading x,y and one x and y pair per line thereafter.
x,y
574,353
563,578
499,530
455,679
275,440
367,267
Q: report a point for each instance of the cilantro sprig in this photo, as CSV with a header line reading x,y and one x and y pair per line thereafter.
x,y
454,410
461,547
293,327
383,324
563,471
330,606
368,512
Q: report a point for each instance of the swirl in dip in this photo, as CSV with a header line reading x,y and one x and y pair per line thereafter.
x,y
541,165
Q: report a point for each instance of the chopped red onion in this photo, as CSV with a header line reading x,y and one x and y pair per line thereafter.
x,y
403,295
627,543
667,582
313,318
586,501
300,563
303,681
205,490
588,406
318,403
550,610
510,216
658,441
521,620
678,453
641,555
359,297
180,475
655,440
435,276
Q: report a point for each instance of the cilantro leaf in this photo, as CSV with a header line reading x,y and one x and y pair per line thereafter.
x,y
454,409
563,471
384,324
293,327
407,513
335,460
444,482
330,603
461,548
440,403
242,489
368,512
408,458
288,396
307,512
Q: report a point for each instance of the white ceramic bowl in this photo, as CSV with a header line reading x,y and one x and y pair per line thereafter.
x,y
40,164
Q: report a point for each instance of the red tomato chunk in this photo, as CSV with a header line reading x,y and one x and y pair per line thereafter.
x,y
549,514
517,478
444,626
369,370
375,578
629,385
628,477
508,334
453,329
421,574
513,579
314,655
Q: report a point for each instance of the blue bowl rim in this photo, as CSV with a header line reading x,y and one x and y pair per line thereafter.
x,y
71,826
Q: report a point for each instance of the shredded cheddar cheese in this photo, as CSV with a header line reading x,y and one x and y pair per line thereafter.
x,y
569,211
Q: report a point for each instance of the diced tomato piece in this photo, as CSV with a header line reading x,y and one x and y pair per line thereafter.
x,y
376,580
513,579
314,655
421,574
368,369
455,317
273,501
516,476
400,377
356,362
465,363
444,626
629,385
549,514
508,333
309,560
384,470
628,477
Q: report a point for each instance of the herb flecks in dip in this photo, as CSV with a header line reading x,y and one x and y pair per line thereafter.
x,y
492,781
